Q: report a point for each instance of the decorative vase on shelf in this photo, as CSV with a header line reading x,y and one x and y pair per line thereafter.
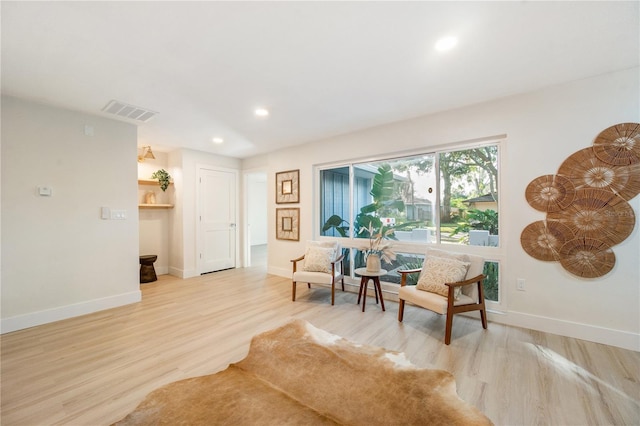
x,y
150,197
373,262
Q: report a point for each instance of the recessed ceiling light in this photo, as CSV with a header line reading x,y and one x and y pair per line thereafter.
x,y
261,112
446,43
217,140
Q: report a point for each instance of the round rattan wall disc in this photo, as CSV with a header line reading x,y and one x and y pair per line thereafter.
x,y
550,193
619,144
585,170
591,216
543,240
587,257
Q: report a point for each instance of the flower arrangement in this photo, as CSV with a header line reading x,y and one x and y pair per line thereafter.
x,y
378,244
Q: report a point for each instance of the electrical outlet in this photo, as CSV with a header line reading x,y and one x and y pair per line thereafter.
x,y
520,284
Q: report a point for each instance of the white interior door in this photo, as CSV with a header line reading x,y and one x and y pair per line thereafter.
x,y
217,219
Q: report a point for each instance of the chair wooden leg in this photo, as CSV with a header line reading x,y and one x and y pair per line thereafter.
x,y
293,291
342,284
333,293
308,285
401,310
447,333
483,310
483,317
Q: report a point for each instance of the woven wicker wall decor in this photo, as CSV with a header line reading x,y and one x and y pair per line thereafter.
x,y
619,144
544,239
585,170
587,204
550,193
587,257
591,216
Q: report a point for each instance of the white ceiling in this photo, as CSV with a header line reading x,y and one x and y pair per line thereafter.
x,y
322,68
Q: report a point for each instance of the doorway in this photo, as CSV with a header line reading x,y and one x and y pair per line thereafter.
x,y
256,218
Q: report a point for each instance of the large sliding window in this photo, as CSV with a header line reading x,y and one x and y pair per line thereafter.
x,y
469,196
447,197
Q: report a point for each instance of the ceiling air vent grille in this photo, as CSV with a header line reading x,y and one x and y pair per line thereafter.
x,y
128,111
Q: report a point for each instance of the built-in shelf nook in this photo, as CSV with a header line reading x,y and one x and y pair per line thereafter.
x,y
153,182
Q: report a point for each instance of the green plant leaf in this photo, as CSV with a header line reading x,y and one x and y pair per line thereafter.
x,y
336,222
163,178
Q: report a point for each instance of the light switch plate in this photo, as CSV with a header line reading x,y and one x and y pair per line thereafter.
x,y
45,191
118,214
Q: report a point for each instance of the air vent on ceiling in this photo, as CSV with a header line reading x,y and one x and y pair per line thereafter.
x,y
129,111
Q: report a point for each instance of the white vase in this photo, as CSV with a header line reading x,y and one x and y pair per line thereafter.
x,y
373,263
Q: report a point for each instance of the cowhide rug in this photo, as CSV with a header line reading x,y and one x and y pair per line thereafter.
x,y
301,375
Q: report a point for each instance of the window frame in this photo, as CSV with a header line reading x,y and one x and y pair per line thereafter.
x,y
490,253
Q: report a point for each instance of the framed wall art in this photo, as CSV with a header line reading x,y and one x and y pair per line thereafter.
x,y
288,187
288,224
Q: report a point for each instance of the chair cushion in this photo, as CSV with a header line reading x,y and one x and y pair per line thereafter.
x,y
440,270
318,259
313,277
432,301
321,244
431,252
326,244
476,268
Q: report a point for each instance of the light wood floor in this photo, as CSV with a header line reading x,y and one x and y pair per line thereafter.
x,y
94,369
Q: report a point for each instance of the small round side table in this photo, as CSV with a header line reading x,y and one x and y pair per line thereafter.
x,y
364,281
147,271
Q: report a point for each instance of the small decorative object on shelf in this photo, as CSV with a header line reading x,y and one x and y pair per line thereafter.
x,y
163,178
150,197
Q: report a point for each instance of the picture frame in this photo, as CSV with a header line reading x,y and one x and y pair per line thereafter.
x,y
288,187
288,224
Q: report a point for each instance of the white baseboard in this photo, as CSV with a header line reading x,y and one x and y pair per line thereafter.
x,y
182,273
176,272
33,319
161,270
591,333
189,273
281,272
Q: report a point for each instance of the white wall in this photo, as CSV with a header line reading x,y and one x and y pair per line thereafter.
x,y
59,259
543,128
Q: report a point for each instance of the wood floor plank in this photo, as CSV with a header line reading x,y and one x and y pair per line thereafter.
x,y
93,370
